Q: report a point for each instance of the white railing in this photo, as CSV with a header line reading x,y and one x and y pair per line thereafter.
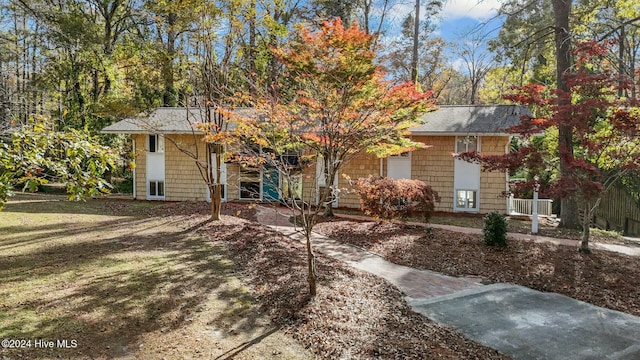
x,y
525,206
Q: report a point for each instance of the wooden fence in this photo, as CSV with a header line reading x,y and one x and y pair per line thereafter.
x,y
618,211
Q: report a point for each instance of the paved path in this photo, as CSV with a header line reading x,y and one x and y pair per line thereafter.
x,y
416,284
520,322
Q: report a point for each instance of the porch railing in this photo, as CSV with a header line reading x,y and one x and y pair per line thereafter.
x,y
525,206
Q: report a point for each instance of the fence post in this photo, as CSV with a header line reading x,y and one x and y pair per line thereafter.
x,y
534,221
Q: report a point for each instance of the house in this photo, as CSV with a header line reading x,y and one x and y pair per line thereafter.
x,y
163,172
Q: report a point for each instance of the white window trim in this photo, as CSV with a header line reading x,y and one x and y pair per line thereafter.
x,y
159,143
466,209
156,197
478,142
240,186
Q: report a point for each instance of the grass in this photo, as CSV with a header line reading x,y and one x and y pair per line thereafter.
x,y
122,283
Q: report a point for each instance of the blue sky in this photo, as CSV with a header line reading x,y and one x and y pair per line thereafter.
x,y
459,19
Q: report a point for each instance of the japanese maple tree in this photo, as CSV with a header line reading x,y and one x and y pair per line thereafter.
x,y
605,131
334,104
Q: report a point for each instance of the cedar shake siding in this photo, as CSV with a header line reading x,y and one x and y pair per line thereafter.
x,y
436,165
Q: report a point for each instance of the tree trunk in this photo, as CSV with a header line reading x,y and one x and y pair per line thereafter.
x,y
569,215
311,266
216,201
584,243
328,202
169,96
414,55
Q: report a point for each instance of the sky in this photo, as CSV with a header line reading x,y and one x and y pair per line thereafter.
x,y
459,21
460,17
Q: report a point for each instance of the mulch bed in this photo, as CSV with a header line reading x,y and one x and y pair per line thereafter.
x,y
602,278
355,315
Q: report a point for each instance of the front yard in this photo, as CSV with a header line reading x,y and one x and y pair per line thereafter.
x,y
122,279
601,278
140,280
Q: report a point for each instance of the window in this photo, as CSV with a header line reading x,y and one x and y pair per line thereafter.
x,y
466,143
249,183
292,189
405,154
156,188
466,199
156,143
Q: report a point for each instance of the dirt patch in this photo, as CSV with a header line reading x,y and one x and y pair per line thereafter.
x,y
601,278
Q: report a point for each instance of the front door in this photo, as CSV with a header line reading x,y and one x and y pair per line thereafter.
x,y
270,185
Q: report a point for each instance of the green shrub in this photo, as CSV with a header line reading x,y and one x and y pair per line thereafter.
x,y
390,199
495,229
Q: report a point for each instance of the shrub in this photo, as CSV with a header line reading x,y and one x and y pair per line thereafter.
x,y
495,229
389,199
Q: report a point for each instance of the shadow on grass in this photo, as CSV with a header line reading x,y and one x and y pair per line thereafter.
x,y
107,292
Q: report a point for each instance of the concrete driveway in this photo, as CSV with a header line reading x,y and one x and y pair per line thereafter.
x,y
528,324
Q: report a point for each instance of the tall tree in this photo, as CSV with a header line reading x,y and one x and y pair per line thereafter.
x,y
343,107
478,62
605,132
569,216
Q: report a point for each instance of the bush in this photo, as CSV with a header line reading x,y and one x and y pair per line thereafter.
x,y
389,199
495,229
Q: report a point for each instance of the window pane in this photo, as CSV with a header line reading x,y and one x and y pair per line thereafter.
x,y
160,188
471,198
152,143
460,199
249,190
472,143
152,188
460,145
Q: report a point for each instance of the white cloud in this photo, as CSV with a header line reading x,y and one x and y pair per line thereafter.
x,y
474,9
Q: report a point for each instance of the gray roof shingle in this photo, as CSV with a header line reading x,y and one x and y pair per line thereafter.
x,y
164,120
470,119
447,120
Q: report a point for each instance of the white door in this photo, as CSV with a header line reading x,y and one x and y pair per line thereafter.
x,y
155,168
399,166
466,178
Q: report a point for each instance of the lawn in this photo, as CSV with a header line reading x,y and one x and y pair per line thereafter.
x,y
141,280
116,282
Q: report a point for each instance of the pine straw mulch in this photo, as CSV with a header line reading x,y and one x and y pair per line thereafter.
x,y
355,315
602,278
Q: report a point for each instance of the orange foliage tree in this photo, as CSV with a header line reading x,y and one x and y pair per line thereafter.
x,y
332,104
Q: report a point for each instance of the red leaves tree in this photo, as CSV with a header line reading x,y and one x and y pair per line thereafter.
x,y
390,199
334,103
605,131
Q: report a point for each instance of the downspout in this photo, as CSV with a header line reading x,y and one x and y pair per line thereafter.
x,y
381,165
507,149
133,145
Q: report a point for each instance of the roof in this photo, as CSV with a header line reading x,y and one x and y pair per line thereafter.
x,y
447,120
164,120
470,120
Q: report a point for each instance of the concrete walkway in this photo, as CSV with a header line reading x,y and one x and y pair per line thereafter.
x,y
520,322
